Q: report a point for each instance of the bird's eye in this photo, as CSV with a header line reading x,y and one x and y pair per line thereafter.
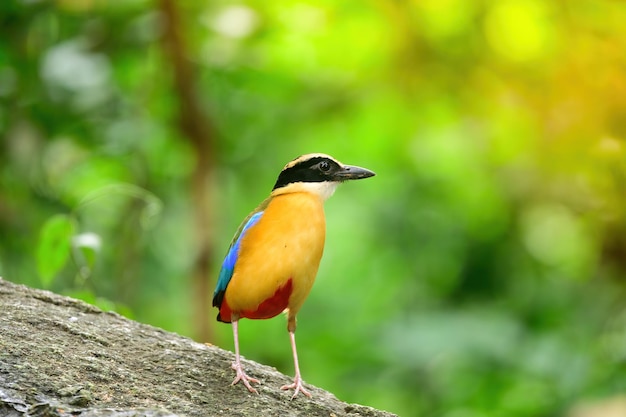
x,y
324,166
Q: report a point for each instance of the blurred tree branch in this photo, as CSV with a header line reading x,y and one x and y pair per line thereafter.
x,y
195,126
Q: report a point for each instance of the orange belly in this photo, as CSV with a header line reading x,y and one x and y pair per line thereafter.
x,y
269,308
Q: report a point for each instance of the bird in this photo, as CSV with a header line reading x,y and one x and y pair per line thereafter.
x,y
273,258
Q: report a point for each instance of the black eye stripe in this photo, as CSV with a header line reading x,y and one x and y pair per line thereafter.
x,y
316,169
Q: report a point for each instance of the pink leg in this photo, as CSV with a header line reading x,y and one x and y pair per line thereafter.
x,y
298,384
241,375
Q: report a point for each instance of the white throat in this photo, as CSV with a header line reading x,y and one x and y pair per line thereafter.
x,y
322,189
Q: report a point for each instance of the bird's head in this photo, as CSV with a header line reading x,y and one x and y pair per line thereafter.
x,y
316,173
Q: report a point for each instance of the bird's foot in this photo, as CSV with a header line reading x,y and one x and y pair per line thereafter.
x,y
297,386
243,377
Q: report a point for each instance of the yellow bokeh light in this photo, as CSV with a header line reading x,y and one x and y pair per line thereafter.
x,y
444,18
519,30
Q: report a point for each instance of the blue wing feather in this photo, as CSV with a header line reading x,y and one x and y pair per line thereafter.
x,y
228,266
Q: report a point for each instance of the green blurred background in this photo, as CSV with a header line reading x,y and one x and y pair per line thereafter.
x,y
482,272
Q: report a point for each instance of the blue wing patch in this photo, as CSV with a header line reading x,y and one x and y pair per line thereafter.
x,y
228,266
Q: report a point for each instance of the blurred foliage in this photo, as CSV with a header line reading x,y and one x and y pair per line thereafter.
x,y
481,273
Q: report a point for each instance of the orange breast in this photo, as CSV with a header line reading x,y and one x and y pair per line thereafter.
x,y
278,259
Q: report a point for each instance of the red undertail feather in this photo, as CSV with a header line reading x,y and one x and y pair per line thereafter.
x,y
269,308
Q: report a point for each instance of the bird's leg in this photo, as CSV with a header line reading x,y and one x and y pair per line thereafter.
x,y
241,375
298,384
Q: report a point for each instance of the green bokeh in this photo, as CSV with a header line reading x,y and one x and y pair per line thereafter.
x,y
480,273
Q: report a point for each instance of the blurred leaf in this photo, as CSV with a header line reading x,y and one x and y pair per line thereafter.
x,y
86,247
53,248
152,204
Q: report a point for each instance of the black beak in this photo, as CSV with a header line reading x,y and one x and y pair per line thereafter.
x,y
351,172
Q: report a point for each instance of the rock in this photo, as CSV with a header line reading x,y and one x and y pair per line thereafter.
x,y
62,357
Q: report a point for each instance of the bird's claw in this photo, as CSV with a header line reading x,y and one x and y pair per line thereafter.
x,y
243,377
297,386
